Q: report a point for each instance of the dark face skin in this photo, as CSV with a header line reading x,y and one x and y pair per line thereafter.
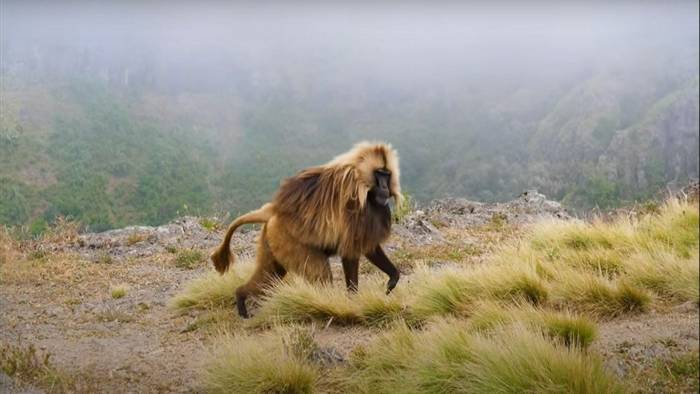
x,y
380,193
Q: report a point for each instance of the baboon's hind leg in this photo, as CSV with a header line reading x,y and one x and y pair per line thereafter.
x,y
309,262
266,272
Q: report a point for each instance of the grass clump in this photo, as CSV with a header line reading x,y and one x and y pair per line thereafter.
x,y
596,295
188,258
210,291
676,228
568,328
684,371
297,300
209,224
401,211
278,363
610,267
666,274
455,291
135,238
119,291
104,258
448,359
24,364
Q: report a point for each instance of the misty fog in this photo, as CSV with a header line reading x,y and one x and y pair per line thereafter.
x,y
482,100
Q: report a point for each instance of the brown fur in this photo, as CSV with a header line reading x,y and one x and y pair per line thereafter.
x,y
319,212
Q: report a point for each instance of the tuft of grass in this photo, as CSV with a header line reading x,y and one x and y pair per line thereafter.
x,y
119,291
135,238
666,274
498,221
614,267
455,291
188,258
104,258
684,371
37,254
676,228
210,291
209,224
447,358
24,364
378,309
114,315
278,363
568,328
400,212
589,293
578,235
297,300
215,321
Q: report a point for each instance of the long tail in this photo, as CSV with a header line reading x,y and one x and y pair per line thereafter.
x,y
222,257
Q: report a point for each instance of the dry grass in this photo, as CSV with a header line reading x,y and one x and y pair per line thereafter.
x,y
597,295
212,290
566,327
517,323
666,274
9,247
278,363
135,238
27,367
605,269
448,359
455,291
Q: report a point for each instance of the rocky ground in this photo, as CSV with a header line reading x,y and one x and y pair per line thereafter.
x,y
56,297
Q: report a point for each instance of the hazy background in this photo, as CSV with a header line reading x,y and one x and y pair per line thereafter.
x,y
137,113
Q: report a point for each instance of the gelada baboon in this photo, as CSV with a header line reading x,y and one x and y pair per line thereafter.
x,y
339,208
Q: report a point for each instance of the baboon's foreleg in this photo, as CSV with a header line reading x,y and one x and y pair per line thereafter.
x,y
350,269
378,258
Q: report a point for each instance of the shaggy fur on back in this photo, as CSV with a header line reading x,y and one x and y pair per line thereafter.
x,y
326,206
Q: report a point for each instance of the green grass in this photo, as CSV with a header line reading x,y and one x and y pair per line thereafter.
x,y
209,224
278,363
598,296
400,212
677,278
455,291
296,300
24,364
520,322
566,327
119,291
188,258
602,269
683,371
446,358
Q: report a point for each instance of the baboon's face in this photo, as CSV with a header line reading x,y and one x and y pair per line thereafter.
x,y
380,192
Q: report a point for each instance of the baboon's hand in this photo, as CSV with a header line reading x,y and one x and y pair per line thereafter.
x,y
392,283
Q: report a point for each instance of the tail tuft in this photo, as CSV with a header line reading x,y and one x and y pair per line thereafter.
x,y
222,255
222,258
